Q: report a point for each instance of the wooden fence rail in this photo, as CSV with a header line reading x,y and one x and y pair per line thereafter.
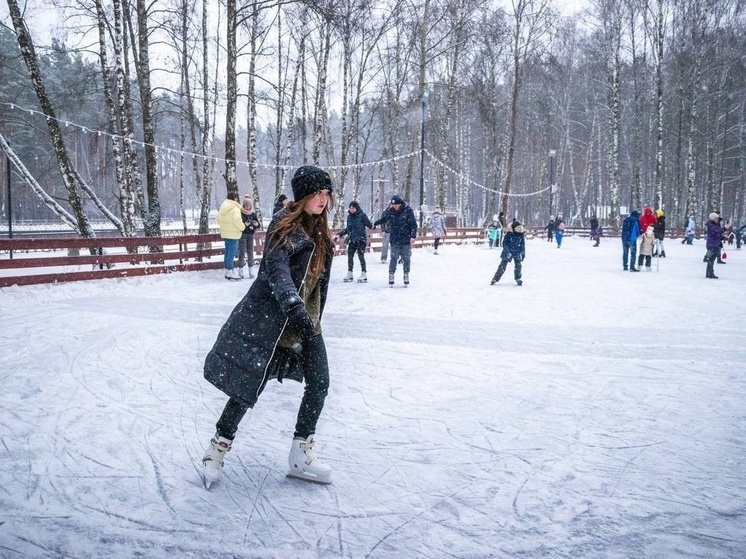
x,y
38,259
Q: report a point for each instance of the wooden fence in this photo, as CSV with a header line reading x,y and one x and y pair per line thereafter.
x,y
38,259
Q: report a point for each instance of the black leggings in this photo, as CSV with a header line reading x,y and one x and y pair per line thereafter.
x,y
315,366
436,243
352,248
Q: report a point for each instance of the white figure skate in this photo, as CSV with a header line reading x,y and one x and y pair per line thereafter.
x,y
305,465
212,463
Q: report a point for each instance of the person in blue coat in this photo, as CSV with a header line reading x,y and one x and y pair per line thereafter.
x,y
357,239
630,232
400,218
514,248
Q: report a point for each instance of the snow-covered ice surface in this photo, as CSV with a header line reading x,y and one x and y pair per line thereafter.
x,y
589,413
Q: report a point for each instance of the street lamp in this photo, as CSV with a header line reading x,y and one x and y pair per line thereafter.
x,y
422,158
10,201
552,156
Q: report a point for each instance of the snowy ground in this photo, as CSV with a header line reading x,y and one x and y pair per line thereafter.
x,y
589,413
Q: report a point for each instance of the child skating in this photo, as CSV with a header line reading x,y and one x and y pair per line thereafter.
x,y
514,248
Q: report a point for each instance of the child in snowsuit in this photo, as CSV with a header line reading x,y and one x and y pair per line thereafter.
x,y
493,234
647,242
514,248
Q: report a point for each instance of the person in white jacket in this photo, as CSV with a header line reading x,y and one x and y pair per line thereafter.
x,y
437,228
231,228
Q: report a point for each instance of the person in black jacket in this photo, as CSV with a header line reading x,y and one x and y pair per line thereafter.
x,y
514,248
403,224
659,230
357,239
280,203
275,331
246,242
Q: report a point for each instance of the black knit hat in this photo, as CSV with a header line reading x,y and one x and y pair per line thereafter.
x,y
396,199
309,179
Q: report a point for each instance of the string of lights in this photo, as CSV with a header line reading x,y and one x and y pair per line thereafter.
x,y
271,166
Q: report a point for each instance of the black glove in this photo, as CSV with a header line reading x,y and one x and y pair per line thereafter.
x,y
300,322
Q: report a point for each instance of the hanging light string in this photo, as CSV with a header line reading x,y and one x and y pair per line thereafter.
x,y
459,175
272,166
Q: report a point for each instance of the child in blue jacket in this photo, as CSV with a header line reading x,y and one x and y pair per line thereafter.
x,y
514,248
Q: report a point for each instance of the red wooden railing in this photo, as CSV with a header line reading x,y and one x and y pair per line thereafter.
x,y
39,259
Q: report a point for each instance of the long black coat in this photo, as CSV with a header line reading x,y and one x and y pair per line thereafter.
x,y
246,353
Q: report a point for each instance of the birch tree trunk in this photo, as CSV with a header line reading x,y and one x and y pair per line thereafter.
x,y
152,217
69,175
231,181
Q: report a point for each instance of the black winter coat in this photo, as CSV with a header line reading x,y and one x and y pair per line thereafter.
x,y
403,225
251,221
514,246
659,228
356,229
246,353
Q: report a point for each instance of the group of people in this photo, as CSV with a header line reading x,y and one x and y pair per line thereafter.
x,y
650,230
238,223
556,229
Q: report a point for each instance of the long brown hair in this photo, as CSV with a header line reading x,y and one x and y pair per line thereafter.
x,y
315,226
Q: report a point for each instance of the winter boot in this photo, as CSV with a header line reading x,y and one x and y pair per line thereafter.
x,y
633,269
363,278
348,277
212,463
495,279
662,254
391,280
304,464
519,281
406,278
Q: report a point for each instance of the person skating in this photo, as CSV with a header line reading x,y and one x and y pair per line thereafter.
x,y
385,238
437,228
246,242
630,232
691,228
647,219
594,226
514,248
647,244
660,234
559,229
275,331
231,229
280,203
403,224
719,258
550,229
357,239
713,243
493,234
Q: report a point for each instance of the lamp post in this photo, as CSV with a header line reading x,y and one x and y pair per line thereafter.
x,y
552,156
10,201
422,158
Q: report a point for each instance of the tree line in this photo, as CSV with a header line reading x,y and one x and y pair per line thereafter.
x,y
142,112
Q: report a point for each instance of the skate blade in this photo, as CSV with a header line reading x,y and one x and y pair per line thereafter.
x,y
362,281
311,479
347,280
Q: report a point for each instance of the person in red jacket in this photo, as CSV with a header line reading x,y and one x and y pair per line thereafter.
x,y
647,219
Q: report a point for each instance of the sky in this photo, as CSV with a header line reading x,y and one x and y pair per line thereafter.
x,y
589,413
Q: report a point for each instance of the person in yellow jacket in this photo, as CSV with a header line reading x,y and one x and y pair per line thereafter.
x,y
231,228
